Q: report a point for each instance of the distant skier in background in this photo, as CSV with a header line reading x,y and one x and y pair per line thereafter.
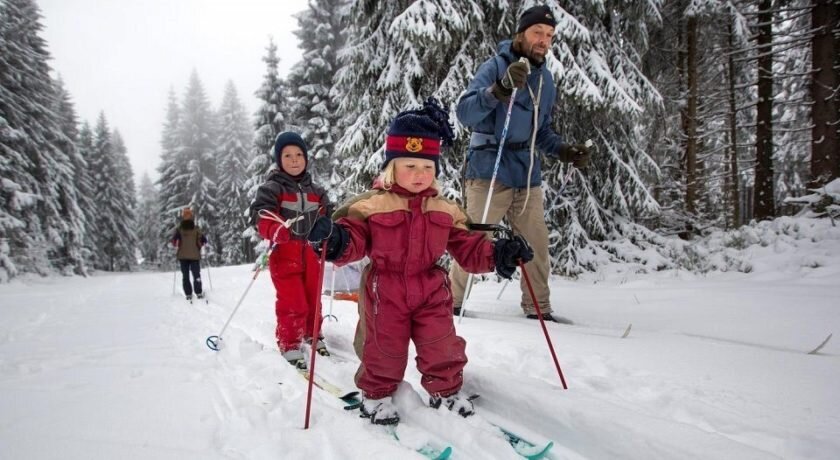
x,y
188,241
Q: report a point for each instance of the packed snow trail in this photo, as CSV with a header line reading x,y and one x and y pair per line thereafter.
x,y
115,366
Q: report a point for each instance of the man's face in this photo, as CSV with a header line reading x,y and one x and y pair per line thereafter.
x,y
535,41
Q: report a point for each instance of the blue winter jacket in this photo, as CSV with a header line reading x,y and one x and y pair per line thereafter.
x,y
479,110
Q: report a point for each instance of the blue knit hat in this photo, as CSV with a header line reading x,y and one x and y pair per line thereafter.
x,y
289,138
419,134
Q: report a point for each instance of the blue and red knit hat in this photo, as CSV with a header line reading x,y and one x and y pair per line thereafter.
x,y
419,134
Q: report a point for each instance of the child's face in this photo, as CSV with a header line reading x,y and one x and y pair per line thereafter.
x,y
414,174
292,160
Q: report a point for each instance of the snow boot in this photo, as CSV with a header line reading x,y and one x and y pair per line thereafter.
x,y
548,317
295,358
320,346
380,411
200,295
189,297
454,402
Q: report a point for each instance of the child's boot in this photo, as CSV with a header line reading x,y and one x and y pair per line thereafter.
x,y
295,358
454,402
380,411
320,346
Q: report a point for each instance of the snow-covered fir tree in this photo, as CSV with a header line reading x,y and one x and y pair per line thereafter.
x,y
233,154
128,197
148,223
172,180
72,202
115,235
38,225
196,150
314,105
398,54
86,189
270,120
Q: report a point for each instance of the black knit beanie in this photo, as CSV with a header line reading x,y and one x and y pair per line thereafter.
x,y
540,14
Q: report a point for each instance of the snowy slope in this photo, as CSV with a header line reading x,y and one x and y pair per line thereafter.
x,y
115,366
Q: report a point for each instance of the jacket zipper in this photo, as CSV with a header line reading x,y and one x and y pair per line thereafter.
x,y
375,294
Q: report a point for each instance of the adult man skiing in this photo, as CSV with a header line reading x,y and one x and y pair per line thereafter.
x,y
188,241
485,107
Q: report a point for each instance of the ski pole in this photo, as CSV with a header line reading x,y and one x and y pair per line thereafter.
x,y
174,277
215,341
329,315
316,330
542,323
492,184
209,278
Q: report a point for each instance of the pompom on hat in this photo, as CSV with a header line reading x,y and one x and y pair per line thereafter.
x,y
539,14
419,134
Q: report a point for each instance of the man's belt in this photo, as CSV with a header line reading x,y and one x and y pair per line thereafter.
x,y
482,141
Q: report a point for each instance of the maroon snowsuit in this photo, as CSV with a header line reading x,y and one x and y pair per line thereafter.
x,y
293,264
406,293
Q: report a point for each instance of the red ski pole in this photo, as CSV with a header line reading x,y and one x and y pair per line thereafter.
x,y
542,323
316,330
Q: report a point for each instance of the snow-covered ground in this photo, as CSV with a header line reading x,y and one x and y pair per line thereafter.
x,y
115,366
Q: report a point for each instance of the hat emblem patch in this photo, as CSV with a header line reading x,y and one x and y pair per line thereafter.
x,y
414,144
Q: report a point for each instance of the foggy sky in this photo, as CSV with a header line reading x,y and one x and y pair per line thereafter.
x,y
123,56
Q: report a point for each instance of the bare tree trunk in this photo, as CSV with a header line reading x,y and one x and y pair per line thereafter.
x,y
825,93
690,117
732,181
764,200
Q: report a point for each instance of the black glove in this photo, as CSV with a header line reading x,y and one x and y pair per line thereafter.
x,y
516,75
508,252
577,154
336,236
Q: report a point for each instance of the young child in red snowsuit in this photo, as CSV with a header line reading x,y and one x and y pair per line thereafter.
x,y
285,208
404,226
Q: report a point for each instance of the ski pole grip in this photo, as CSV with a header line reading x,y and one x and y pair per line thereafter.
x,y
527,62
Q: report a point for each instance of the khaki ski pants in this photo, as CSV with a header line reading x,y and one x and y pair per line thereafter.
x,y
508,202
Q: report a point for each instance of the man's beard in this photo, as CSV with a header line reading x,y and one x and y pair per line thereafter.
x,y
522,48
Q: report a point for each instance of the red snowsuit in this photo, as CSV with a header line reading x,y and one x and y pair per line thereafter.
x,y
406,294
293,264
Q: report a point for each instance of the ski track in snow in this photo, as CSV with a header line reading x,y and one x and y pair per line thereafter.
x,y
115,366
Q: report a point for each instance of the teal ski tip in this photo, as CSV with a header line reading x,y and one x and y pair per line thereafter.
x,y
532,452
435,454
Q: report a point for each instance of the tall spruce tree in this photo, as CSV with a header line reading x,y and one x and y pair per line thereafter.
x,y
36,229
196,150
116,238
234,147
270,120
86,188
71,200
148,222
172,180
314,105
